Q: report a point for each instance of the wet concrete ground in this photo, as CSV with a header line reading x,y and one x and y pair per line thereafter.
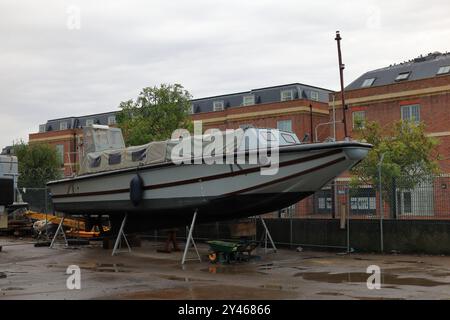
x,y
27,272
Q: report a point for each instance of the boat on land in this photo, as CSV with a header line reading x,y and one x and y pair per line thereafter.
x,y
155,191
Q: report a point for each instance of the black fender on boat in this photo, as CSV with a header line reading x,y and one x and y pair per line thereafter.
x,y
136,189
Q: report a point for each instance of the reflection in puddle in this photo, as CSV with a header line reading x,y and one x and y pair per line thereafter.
x,y
362,277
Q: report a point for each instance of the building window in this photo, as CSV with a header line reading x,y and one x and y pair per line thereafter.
x,y
444,70
368,82
111,120
60,153
248,100
315,95
359,119
218,105
284,125
89,122
42,128
403,76
287,95
63,125
192,110
411,113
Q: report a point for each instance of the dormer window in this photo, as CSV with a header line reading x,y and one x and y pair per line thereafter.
x,y
89,122
368,82
218,105
444,70
192,110
42,127
403,76
111,120
63,125
248,100
315,95
287,95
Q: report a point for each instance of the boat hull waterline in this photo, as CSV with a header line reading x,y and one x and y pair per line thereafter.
x,y
171,193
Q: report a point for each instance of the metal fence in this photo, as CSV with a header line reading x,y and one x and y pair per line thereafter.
x,y
428,200
38,199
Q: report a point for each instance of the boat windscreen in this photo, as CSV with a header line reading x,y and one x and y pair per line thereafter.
x,y
100,139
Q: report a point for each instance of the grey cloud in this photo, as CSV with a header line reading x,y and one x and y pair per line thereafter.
x,y
211,47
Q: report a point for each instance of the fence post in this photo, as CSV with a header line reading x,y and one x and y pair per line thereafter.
x,y
348,218
381,203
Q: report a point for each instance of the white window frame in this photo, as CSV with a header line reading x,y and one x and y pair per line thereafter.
x,y
407,112
42,128
363,123
191,111
64,125
314,95
90,122
111,120
218,105
444,70
283,96
403,76
247,103
368,82
279,122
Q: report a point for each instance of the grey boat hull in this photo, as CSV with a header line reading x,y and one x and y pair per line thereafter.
x,y
171,193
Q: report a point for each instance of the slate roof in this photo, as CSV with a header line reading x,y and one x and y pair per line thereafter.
x,y
419,68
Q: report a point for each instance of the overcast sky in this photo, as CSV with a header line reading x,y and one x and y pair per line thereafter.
x,y
55,63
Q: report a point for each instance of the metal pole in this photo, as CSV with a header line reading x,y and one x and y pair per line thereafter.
x,y
334,117
119,237
341,75
268,234
381,204
189,240
348,219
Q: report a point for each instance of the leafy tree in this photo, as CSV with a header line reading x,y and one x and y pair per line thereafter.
x,y
155,114
38,164
410,157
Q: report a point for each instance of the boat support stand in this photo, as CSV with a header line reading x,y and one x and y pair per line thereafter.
x,y
189,240
121,234
267,236
59,230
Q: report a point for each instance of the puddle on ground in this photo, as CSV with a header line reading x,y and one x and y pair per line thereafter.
x,y
214,269
96,267
330,293
184,279
277,287
207,293
12,289
352,277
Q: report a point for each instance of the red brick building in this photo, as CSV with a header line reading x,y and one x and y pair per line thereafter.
x,y
66,135
417,90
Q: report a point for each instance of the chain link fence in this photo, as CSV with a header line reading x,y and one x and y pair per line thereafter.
x,y
428,200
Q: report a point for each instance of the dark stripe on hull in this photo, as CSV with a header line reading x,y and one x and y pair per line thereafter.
x,y
177,212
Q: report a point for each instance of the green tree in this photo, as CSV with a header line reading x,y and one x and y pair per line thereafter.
x,y
410,156
38,164
155,114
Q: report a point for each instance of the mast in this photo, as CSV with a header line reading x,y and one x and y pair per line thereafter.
x,y
341,74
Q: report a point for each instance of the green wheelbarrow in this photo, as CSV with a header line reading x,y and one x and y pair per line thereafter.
x,y
227,252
